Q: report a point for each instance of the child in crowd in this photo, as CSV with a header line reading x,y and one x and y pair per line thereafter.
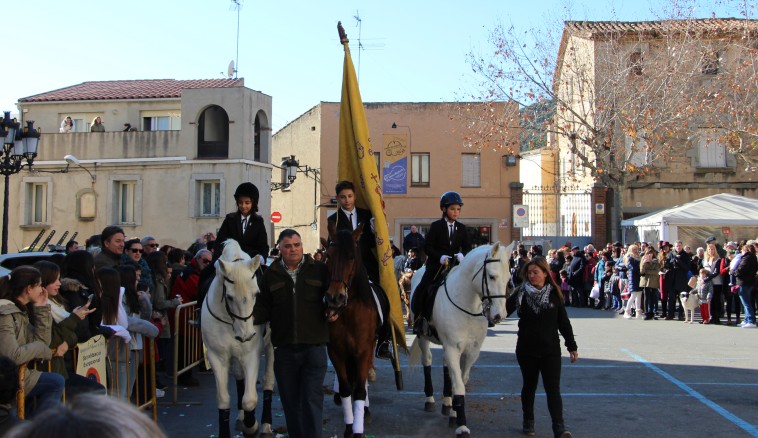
x,y
616,289
623,291
565,287
607,284
704,289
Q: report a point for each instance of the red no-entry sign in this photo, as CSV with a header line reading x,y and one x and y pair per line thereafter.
x,y
276,217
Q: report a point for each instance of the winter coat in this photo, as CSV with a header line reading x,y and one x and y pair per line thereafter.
x,y
576,270
650,274
23,342
633,273
678,265
107,259
746,270
76,294
63,331
704,291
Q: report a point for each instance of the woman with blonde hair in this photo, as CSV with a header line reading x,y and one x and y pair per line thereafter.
x,y
650,268
712,262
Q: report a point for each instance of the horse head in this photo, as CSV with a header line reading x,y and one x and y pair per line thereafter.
x,y
495,278
343,261
236,270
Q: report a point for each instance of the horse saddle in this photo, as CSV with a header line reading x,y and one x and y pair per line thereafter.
x,y
382,303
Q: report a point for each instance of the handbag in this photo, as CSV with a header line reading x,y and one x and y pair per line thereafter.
x,y
595,292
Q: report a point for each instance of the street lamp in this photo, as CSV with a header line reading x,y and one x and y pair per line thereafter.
x,y
289,173
17,146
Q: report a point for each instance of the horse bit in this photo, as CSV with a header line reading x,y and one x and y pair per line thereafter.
x,y
486,296
226,304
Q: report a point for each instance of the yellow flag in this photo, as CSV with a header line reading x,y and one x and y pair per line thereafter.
x,y
357,164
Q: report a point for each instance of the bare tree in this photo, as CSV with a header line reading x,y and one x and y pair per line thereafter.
x,y
625,94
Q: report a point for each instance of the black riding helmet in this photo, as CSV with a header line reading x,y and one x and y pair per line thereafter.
x,y
450,198
249,190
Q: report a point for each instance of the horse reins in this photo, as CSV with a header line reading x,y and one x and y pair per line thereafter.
x,y
486,296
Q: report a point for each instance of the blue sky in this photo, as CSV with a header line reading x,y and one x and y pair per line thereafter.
x,y
415,51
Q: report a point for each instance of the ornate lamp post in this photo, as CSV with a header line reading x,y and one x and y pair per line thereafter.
x,y
17,146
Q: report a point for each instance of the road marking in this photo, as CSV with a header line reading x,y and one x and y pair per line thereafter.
x,y
722,384
477,366
570,394
737,421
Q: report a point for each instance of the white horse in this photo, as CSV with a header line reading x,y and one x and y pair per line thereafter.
x,y
472,295
229,334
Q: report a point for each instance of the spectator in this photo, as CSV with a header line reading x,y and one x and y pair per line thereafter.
x,y
72,246
704,289
413,262
186,288
632,262
713,263
63,334
291,300
576,277
745,272
538,303
90,416
113,240
94,241
8,388
733,303
557,264
134,252
414,239
678,267
395,250
149,244
67,125
127,127
650,281
25,331
176,260
77,285
163,305
97,125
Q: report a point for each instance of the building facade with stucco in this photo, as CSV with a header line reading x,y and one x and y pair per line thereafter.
x,y
171,176
421,151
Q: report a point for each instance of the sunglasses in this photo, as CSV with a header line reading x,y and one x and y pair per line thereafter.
x,y
135,250
206,261
153,245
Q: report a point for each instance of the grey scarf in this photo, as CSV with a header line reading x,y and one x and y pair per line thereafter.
x,y
537,299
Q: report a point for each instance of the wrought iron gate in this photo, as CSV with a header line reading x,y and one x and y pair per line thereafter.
x,y
558,211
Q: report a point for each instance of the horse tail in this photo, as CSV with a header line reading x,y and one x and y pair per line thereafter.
x,y
414,357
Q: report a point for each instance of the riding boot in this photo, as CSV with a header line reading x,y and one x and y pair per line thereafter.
x,y
559,431
384,342
528,428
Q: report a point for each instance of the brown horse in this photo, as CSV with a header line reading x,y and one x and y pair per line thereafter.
x,y
352,313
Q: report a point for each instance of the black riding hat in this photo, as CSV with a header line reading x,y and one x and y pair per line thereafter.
x,y
249,190
450,198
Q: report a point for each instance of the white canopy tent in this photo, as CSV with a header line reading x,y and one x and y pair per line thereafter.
x,y
726,216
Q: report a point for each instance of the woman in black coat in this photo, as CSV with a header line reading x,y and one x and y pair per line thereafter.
x,y
745,273
539,304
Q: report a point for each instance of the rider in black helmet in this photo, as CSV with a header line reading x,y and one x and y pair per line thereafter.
x,y
446,243
244,225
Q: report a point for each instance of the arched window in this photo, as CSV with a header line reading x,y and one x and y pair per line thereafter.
x,y
261,137
213,133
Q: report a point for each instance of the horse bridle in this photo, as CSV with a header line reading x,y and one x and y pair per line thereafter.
x,y
487,297
341,308
226,304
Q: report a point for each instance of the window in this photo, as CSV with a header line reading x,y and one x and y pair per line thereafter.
x,y
711,148
37,205
420,170
210,197
635,64
126,199
125,202
711,62
161,121
470,170
206,195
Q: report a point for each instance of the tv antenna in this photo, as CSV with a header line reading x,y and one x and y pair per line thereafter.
x,y
361,46
237,5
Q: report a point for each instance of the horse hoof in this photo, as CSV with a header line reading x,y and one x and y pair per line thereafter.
x,y
366,415
348,431
372,375
429,406
337,399
452,422
464,435
446,410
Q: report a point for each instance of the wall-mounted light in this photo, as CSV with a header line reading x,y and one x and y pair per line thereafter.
x,y
509,160
70,159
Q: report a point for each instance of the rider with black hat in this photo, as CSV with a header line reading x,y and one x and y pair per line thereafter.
x,y
446,243
244,225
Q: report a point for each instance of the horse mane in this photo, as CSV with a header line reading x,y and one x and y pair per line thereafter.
x,y
347,249
232,251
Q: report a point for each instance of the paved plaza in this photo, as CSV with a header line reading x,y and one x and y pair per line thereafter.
x,y
633,378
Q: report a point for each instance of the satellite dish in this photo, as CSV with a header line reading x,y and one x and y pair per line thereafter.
x,y
230,71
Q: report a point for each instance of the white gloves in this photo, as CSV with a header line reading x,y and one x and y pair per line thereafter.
x,y
373,225
459,256
444,259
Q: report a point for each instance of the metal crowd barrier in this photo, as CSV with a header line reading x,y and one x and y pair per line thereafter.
x,y
143,395
21,395
187,335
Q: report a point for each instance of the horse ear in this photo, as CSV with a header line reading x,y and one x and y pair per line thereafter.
x,y
495,249
331,228
255,262
324,243
222,266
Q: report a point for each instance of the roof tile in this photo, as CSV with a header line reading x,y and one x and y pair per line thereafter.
x,y
718,25
130,89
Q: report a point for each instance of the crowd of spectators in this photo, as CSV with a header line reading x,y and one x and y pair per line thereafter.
x,y
645,281
117,287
